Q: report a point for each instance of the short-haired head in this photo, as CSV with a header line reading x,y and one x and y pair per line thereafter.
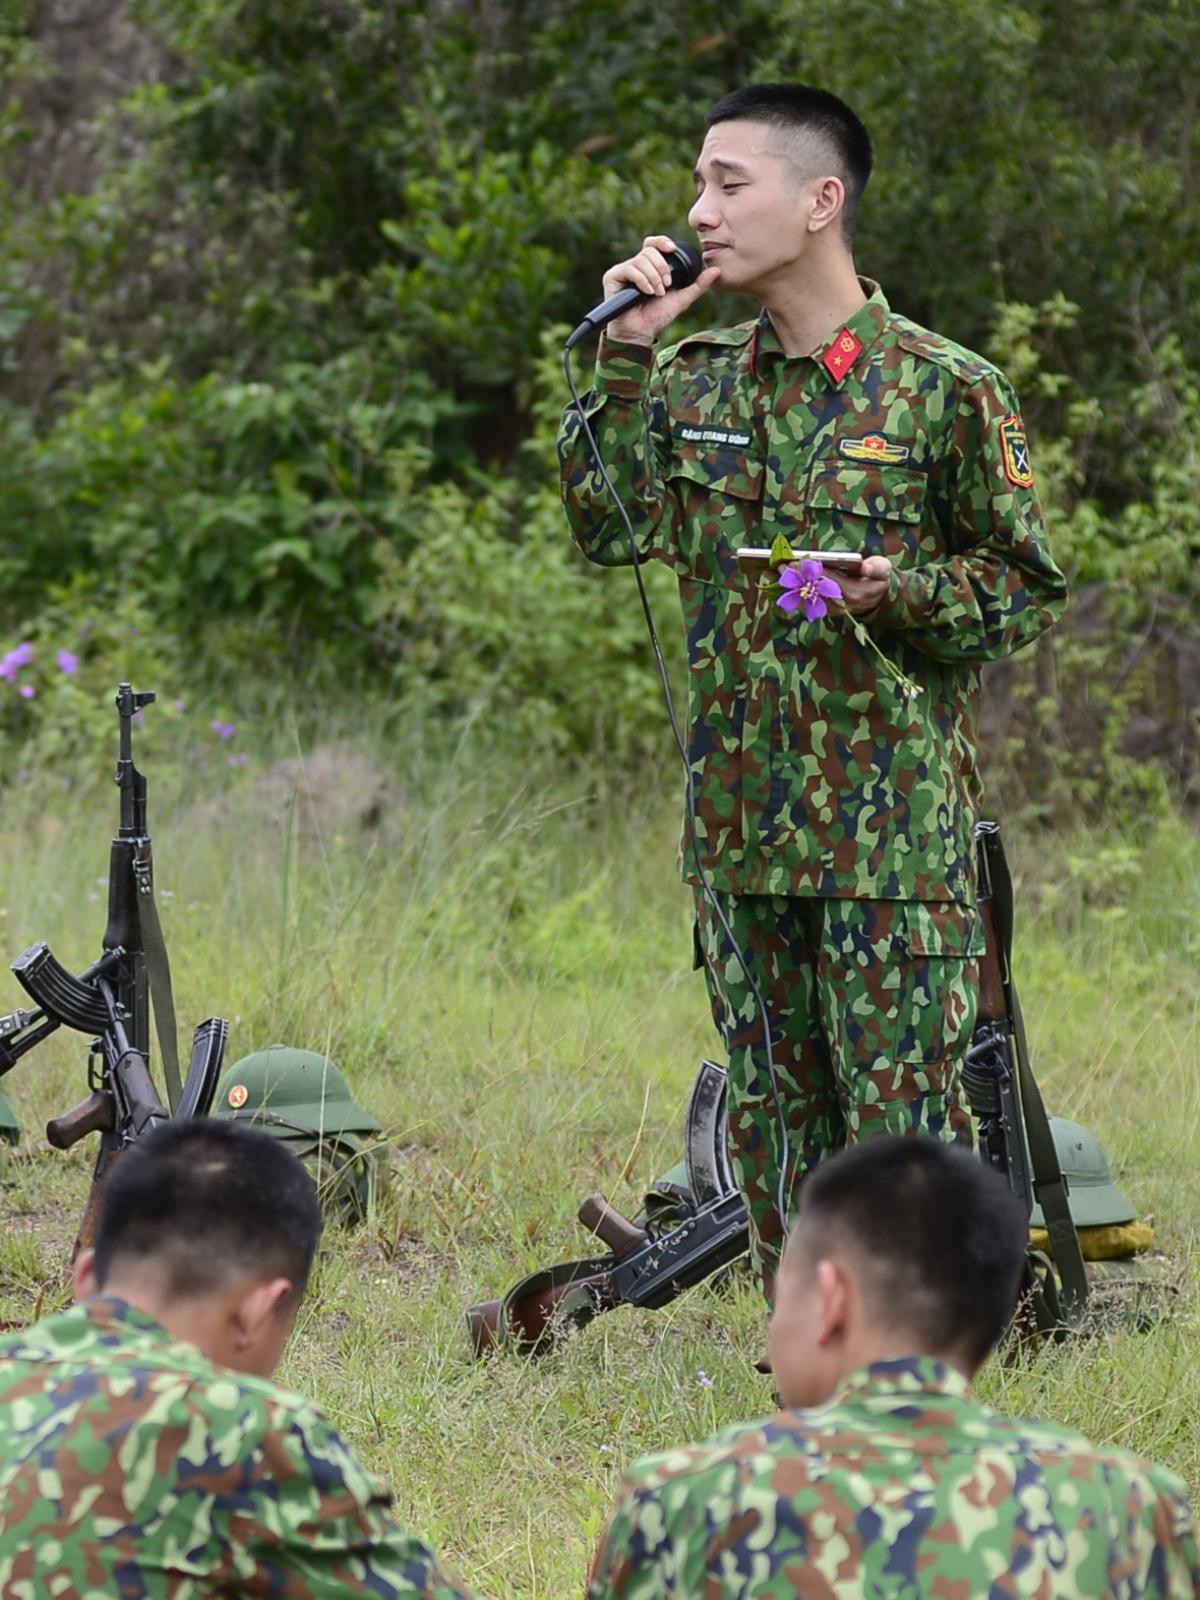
x,y
203,1204
936,1237
818,134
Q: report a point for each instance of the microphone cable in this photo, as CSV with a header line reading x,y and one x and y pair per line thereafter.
x,y
710,894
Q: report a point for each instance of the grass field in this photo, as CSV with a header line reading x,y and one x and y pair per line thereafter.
x,y
504,974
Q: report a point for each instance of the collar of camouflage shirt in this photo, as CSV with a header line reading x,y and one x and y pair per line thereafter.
x,y
905,1375
108,1314
835,361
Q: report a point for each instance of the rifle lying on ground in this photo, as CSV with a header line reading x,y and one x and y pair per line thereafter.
x,y
112,1000
651,1265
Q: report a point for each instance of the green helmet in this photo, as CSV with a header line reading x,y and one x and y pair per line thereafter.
x,y
10,1128
302,1098
292,1087
1093,1197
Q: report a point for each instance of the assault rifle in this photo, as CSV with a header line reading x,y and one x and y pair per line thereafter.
x,y
652,1264
112,1000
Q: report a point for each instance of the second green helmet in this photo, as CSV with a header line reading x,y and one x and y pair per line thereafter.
x,y
1093,1197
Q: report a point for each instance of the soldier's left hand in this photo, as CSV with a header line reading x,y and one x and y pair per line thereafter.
x,y
864,593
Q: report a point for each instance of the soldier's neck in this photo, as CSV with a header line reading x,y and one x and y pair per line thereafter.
x,y
806,311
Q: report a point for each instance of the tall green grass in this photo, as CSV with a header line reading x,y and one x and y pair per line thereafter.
x,y
501,963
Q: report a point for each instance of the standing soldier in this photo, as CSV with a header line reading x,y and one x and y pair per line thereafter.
x,y
833,755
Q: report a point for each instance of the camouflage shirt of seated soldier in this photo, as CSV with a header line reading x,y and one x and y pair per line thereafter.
x,y
144,1449
883,1477
302,1098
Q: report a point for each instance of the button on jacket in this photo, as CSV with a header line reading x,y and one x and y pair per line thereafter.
x,y
814,773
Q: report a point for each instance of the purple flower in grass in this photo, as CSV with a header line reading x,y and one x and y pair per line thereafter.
x,y
68,662
26,691
807,586
223,730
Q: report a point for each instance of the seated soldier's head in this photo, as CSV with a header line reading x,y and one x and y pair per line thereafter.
x,y
209,1227
902,1247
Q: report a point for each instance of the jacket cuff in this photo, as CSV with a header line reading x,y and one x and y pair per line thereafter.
x,y
622,370
906,604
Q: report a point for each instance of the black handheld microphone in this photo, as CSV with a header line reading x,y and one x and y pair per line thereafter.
x,y
686,267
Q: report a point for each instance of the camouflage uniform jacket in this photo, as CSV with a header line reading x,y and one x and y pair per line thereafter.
x,y
814,775
131,1466
901,1488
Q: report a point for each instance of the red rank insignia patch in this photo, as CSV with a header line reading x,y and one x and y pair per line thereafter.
x,y
841,355
1017,466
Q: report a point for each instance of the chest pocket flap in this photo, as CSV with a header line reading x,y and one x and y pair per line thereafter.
x,y
723,468
881,491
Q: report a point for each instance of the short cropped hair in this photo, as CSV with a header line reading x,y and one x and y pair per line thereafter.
x,y
938,1235
205,1202
796,108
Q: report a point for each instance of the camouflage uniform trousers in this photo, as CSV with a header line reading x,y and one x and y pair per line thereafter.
x,y
872,1006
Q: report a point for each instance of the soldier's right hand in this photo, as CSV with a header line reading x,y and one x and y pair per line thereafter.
x,y
650,271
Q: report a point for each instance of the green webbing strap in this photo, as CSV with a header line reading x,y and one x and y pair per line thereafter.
x,y
1049,1186
158,970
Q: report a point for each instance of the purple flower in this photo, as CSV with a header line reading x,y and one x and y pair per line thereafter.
x,y
26,691
807,587
223,730
20,656
69,662
238,759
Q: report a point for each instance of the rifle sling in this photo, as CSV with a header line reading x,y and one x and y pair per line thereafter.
x,y
1048,1183
1049,1186
158,971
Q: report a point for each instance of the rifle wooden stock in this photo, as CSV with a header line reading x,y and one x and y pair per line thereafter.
x,y
530,1323
93,1115
90,1221
993,1006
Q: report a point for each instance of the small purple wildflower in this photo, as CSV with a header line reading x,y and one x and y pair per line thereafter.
x,y
68,662
19,656
238,759
26,691
807,586
223,730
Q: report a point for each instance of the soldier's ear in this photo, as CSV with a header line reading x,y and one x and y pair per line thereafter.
x,y
256,1309
83,1275
828,203
834,1291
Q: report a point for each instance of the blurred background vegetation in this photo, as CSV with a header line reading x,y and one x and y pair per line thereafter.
x,y
281,283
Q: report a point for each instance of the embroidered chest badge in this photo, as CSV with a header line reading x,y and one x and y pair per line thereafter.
x,y
874,447
1017,467
842,354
